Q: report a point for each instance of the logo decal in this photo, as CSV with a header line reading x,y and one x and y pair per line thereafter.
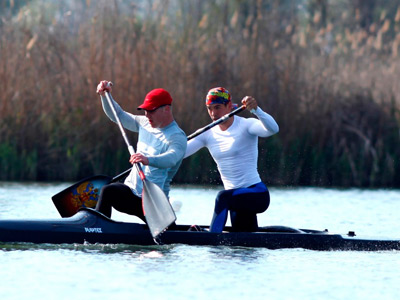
x,y
93,230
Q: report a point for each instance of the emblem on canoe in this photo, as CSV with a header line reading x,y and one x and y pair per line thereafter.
x,y
93,230
85,195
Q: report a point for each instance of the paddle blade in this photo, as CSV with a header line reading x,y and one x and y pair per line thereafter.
x,y
157,209
84,193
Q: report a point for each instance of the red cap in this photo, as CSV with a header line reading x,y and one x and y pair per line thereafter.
x,y
156,98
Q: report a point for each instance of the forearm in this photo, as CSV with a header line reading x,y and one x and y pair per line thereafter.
x,y
107,109
170,158
193,146
267,125
127,120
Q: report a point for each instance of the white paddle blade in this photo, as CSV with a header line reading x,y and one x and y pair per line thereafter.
x,y
157,209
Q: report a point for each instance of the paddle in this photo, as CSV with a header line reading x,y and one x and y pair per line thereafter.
x,y
216,122
85,193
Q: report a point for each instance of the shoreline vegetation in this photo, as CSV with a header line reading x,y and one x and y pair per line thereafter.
x,y
327,71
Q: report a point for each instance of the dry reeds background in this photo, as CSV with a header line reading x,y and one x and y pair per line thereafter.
x,y
326,71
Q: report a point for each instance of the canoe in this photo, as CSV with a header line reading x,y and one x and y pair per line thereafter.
x,y
90,226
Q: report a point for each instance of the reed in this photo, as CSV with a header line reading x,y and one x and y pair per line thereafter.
x,y
331,86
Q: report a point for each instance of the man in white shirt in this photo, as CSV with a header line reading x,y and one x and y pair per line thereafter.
x,y
233,145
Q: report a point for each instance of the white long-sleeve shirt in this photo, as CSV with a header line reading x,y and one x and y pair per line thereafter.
x,y
235,150
164,148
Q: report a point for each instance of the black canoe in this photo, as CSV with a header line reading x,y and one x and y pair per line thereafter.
x,y
89,226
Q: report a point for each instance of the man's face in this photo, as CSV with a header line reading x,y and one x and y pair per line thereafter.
x,y
157,116
218,110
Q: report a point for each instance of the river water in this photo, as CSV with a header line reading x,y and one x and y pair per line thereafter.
x,y
190,272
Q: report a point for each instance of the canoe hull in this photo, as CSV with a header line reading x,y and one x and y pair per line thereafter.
x,y
89,226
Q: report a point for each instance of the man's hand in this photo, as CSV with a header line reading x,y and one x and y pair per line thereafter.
x,y
250,103
104,86
139,158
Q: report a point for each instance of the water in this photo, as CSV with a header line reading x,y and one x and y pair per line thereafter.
x,y
189,272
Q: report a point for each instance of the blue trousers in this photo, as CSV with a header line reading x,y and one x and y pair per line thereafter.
x,y
243,205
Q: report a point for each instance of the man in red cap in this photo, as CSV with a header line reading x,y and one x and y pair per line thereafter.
x,y
233,146
160,149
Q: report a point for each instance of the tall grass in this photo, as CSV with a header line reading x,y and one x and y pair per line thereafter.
x,y
331,87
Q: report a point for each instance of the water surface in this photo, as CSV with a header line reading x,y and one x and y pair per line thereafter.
x,y
190,272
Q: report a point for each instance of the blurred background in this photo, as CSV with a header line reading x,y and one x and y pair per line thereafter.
x,y
326,70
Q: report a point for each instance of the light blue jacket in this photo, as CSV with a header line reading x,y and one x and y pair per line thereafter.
x,y
164,147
